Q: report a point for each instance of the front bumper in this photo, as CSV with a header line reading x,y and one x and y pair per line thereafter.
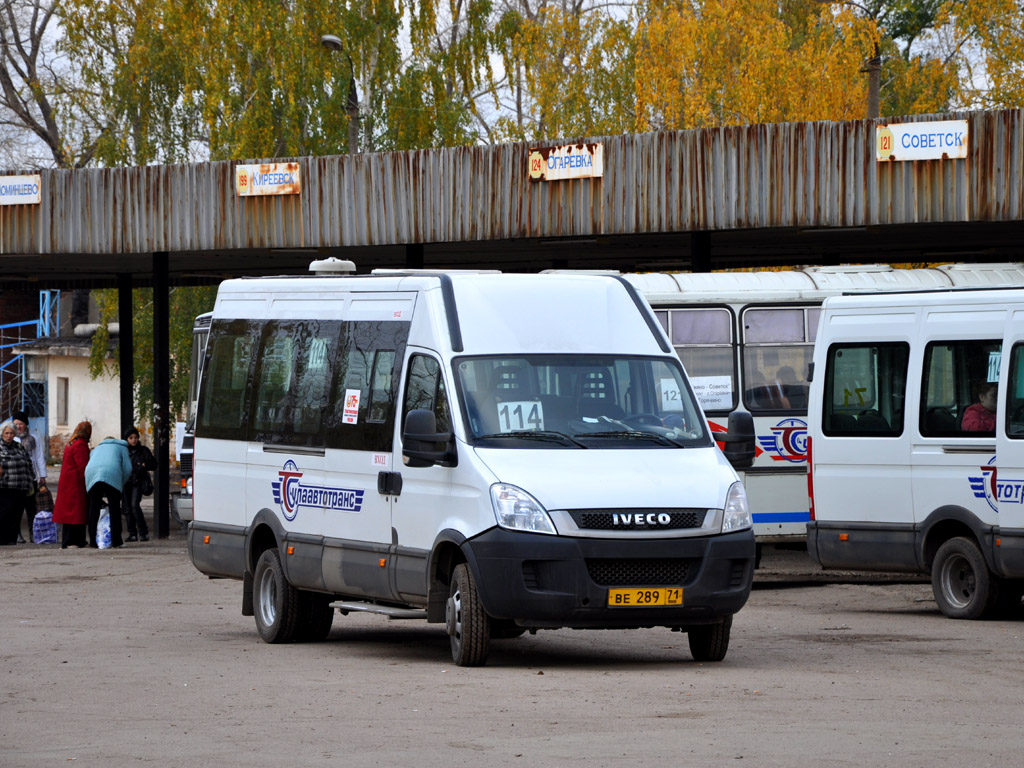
x,y
181,507
556,581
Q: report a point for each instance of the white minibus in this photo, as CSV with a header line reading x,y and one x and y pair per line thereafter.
x,y
181,502
495,453
917,442
746,341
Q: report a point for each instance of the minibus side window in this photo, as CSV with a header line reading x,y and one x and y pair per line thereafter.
x,y
865,390
361,413
293,381
424,389
703,339
1015,394
956,375
778,344
226,379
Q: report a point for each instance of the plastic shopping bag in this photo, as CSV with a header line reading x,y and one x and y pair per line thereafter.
x,y
103,529
44,530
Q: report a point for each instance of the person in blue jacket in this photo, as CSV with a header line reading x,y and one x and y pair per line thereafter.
x,y
106,473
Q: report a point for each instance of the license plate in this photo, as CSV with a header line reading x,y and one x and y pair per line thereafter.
x,y
644,598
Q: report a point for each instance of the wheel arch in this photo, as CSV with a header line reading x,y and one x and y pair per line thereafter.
x,y
446,553
265,532
949,522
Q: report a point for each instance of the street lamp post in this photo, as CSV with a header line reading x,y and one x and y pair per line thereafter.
x,y
334,43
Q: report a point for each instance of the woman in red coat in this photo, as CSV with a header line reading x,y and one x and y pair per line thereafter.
x,y
72,505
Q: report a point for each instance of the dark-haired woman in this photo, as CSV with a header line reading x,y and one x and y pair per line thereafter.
x,y
138,484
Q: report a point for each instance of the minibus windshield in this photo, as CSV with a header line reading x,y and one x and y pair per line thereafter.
x,y
578,402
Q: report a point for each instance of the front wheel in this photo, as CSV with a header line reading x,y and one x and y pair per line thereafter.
x,y
710,643
963,586
467,623
275,602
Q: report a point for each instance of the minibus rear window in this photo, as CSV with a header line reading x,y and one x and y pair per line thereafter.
x,y
222,413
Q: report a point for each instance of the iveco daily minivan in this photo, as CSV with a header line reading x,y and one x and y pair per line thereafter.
x,y
495,453
916,420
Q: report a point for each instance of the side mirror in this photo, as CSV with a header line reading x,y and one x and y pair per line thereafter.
x,y
739,442
422,444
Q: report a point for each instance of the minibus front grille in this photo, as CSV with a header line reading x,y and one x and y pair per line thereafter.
x,y
637,519
649,572
186,463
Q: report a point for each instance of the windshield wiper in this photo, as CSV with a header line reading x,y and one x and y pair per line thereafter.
x,y
634,436
535,434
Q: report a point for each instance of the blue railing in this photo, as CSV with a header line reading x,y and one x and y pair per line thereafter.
x,y
12,372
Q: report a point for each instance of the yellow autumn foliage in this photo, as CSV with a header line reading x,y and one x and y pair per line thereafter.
x,y
727,62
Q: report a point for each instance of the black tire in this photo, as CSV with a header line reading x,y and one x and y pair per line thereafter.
x,y
963,586
467,623
315,617
275,602
505,630
710,643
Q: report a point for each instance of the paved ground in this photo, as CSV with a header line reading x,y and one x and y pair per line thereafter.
x,y
126,657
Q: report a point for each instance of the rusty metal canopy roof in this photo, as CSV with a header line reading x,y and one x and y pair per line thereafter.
x,y
757,195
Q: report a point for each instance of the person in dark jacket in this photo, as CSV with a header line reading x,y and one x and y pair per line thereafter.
x,y
17,480
139,484
105,475
71,509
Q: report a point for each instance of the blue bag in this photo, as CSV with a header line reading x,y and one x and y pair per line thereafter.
x,y
44,530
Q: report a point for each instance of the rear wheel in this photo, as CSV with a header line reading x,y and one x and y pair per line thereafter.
x,y
963,586
275,601
315,617
710,643
467,623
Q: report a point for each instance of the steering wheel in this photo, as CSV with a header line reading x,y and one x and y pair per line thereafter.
x,y
642,419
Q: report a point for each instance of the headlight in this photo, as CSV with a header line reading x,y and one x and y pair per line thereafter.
x,y
188,486
517,510
737,511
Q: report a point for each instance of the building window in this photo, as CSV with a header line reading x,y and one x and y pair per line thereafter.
x,y
62,401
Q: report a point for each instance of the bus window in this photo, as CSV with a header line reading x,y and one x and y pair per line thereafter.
x,y
361,413
225,379
955,372
1015,395
703,339
778,344
865,390
293,381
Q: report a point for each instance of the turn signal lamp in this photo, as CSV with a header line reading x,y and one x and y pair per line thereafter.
x,y
844,537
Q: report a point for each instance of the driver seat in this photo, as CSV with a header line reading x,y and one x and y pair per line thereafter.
x,y
597,397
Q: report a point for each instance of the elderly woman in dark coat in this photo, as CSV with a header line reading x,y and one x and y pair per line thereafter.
x,y
71,509
17,479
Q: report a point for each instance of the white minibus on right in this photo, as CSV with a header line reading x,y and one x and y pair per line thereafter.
x,y
916,449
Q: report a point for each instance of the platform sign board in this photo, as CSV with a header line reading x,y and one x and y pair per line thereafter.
x,y
937,140
571,161
267,179
21,190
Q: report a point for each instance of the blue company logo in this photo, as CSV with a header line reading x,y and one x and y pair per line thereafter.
x,y
787,442
291,494
995,491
